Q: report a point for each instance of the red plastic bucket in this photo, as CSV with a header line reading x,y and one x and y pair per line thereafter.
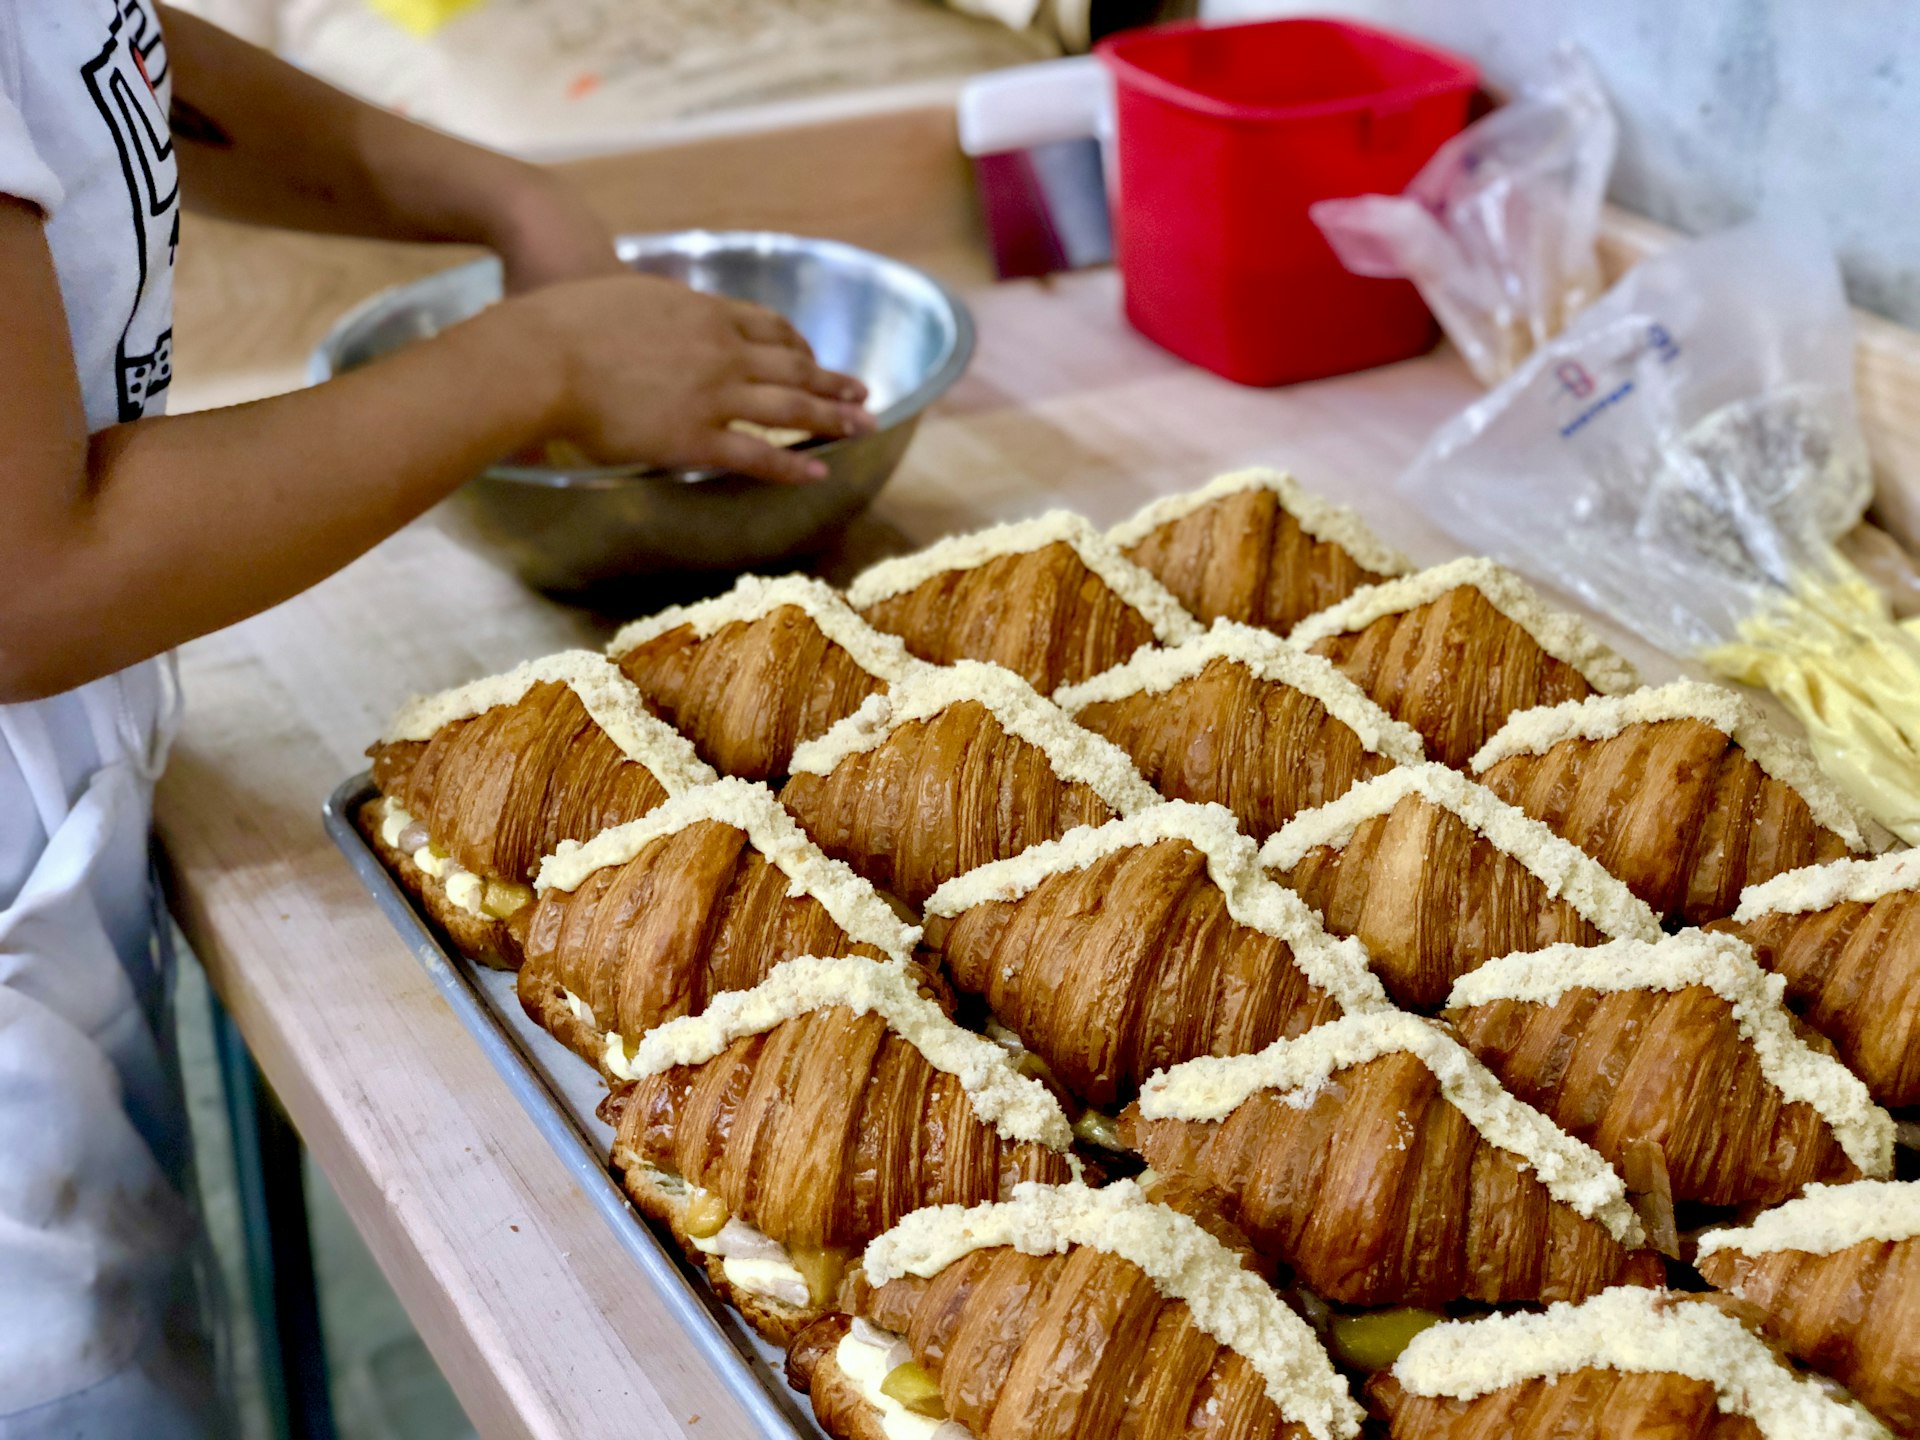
x,y
1226,134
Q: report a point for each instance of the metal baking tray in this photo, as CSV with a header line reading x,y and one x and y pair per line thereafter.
x,y
559,1091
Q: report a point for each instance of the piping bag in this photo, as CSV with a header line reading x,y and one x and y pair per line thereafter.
x,y
1684,458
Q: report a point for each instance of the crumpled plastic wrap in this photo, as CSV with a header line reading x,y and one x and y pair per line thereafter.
x,y
1684,458
1498,229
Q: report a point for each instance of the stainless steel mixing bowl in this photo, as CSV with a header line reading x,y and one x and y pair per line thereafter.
x,y
901,331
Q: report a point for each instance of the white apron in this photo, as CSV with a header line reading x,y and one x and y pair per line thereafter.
x,y
96,1244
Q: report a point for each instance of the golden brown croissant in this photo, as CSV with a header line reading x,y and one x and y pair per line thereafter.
x,y
1846,936
785,1126
478,783
1680,1048
650,920
1142,943
768,665
1068,1314
957,766
1453,651
1050,599
1684,792
1241,718
1630,1364
1253,546
1436,875
1834,1278
1385,1165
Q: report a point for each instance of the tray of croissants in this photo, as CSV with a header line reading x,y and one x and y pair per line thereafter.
x,y
1205,978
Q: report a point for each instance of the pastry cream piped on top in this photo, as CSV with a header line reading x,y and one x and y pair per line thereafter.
x,y
1601,717
1636,1331
1228,1301
879,654
1564,636
1213,1087
1566,871
1827,1219
1839,882
1135,585
1018,1106
1337,966
1269,658
1073,752
750,807
1725,965
611,701
1322,519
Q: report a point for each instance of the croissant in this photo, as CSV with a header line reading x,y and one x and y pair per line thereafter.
x,y
1142,943
650,920
953,768
1050,599
1067,1314
1834,1278
784,1127
1386,1165
1255,547
1436,875
1678,1056
1684,792
768,665
1629,1364
1453,651
1846,936
1241,718
478,783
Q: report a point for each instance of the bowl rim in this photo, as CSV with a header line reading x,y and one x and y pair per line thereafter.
x,y
630,246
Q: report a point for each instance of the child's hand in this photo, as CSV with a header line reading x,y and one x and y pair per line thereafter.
x,y
652,372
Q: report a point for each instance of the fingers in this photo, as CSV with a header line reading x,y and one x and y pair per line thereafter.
x,y
780,408
776,365
746,455
762,326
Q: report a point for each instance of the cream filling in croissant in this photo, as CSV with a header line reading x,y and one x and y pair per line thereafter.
x,y
1821,887
1635,1331
1827,1219
487,898
866,1355
1564,636
1725,965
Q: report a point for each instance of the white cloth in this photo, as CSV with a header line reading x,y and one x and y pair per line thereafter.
x,y
95,1239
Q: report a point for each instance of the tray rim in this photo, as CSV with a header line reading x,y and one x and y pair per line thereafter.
x,y
716,1333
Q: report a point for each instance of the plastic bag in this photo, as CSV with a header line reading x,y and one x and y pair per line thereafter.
x,y
1497,230
1684,458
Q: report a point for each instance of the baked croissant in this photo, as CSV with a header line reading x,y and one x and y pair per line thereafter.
x,y
650,920
1834,1279
1846,936
768,665
1254,546
1142,943
1386,1165
1678,1062
1453,651
1629,1364
1684,792
1241,718
478,783
1049,598
957,766
1436,875
784,1127
1067,1314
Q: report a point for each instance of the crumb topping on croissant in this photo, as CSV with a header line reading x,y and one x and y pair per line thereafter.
x,y
1017,1105
1783,758
1573,1173
1228,1302
1566,871
1631,1330
1270,659
1839,882
610,699
1827,1219
1723,964
1563,635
